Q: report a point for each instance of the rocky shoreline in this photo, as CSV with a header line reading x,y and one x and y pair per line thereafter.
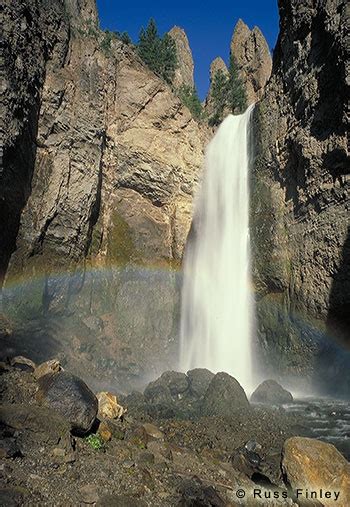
x,y
188,440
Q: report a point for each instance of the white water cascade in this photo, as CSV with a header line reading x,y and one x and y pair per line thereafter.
x,y
216,314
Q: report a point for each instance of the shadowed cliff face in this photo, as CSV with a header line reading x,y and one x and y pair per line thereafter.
x,y
33,34
338,319
300,194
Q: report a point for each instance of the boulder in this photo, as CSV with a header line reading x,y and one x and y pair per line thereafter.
x,y
199,380
153,432
69,396
108,406
271,392
169,387
224,396
35,426
314,465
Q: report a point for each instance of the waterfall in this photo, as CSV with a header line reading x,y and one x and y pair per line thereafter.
x,y
216,310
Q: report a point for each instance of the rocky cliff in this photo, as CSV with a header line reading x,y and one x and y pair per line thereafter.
x,y
252,56
300,201
185,66
100,164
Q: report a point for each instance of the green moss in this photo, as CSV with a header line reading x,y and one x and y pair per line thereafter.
x,y
121,249
29,305
96,238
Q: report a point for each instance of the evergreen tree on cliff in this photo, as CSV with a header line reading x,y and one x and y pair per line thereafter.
x,y
159,53
236,94
228,94
189,97
219,92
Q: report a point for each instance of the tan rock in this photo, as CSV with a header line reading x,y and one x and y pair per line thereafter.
x,y
184,70
314,465
23,362
51,366
153,432
252,54
89,494
104,432
108,407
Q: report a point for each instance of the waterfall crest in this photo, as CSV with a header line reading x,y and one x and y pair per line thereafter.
x,y
216,301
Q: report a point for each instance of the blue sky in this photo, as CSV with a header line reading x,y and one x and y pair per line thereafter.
x,y
209,25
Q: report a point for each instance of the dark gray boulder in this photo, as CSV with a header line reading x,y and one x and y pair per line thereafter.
x,y
169,387
166,397
272,393
69,396
199,380
224,396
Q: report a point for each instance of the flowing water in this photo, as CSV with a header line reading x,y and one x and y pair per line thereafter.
x,y
324,418
216,310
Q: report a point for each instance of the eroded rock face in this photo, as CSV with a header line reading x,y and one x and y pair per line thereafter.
x,y
300,198
252,55
114,161
184,70
97,133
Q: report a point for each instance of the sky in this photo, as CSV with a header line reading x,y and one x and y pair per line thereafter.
x,y
208,25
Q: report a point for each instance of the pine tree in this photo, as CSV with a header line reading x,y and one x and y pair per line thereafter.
x,y
236,95
219,96
228,93
159,53
148,47
189,97
167,58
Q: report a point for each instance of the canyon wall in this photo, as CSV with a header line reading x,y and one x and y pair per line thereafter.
x,y
300,197
100,163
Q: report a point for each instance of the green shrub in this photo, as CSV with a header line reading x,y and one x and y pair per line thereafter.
x,y
158,53
124,37
189,97
106,41
95,441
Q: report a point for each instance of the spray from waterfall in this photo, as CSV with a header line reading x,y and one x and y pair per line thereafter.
x,y
216,316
